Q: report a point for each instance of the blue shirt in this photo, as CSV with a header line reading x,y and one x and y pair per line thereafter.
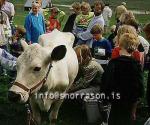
x,y
101,49
35,26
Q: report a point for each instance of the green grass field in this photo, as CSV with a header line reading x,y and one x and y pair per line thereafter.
x,y
70,114
131,4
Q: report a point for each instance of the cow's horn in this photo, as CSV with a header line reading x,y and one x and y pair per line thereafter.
x,y
24,44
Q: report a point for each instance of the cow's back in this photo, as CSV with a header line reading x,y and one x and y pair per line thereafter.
x,y
56,38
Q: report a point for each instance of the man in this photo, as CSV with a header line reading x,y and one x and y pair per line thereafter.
x,y
34,24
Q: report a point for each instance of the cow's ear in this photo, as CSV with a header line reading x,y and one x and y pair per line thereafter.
x,y
58,53
24,44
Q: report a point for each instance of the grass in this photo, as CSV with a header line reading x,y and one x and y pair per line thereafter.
x,y
138,4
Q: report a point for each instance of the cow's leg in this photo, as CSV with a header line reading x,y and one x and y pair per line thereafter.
x,y
36,112
54,112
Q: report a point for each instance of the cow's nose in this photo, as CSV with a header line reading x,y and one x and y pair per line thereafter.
x,y
13,97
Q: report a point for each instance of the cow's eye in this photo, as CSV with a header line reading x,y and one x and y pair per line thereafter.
x,y
37,68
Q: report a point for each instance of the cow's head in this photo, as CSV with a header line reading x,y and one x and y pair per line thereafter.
x,y
32,67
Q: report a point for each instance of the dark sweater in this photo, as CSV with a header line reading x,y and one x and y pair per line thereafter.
x,y
101,44
124,76
69,24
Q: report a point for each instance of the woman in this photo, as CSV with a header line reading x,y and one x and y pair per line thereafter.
x,y
34,24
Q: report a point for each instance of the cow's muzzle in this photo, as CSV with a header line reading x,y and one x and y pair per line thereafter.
x,y
14,97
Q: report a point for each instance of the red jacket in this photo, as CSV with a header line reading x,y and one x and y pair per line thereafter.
x,y
116,53
54,23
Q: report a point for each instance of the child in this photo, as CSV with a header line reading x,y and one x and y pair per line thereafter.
x,y
88,81
76,7
116,51
56,18
101,48
82,20
122,82
47,25
15,46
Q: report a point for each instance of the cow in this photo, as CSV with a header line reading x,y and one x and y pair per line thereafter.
x,y
48,67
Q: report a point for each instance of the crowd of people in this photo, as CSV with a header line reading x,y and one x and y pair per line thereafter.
x,y
113,65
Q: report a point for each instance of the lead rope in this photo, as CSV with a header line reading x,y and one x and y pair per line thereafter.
x,y
28,114
29,111
30,118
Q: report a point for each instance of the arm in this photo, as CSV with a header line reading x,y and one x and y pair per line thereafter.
x,y
28,28
44,28
7,60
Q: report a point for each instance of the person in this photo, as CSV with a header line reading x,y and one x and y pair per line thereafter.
x,y
76,8
5,30
15,46
47,25
34,24
41,11
122,83
143,41
112,35
124,18
7,60
54,22
101,47
8,8
86,37
146,30
82,20
88,80
137,54
107,13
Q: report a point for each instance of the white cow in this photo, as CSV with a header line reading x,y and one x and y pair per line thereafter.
x,y
32,68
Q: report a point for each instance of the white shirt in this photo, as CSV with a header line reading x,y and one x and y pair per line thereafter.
x,y
107,13
5,30
144,43
95,20
8,8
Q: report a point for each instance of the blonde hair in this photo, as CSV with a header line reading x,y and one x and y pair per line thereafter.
x,y
126,16
76,5
129,42
47,23
119,10
86,5
126,29
83,54
113,28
